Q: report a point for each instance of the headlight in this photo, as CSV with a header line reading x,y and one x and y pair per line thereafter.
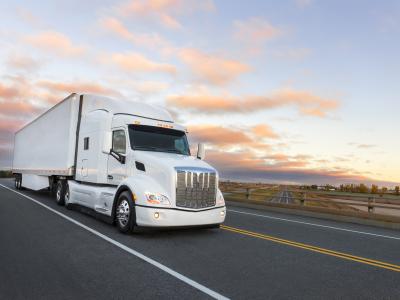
x,y
220,199
156,198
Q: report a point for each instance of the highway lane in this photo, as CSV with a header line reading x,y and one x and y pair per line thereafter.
x,y
284,197
54,257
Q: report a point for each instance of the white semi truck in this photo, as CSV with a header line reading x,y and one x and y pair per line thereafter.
x,y
126,161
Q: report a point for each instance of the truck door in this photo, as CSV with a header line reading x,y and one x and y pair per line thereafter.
x,y
116,165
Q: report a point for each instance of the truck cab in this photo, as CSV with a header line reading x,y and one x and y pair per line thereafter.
x,y
134,165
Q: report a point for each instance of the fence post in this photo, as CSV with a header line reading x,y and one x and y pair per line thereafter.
x,y
303,198
370,204
247,193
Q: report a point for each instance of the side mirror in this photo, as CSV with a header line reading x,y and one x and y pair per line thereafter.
x,y
201,152
107,142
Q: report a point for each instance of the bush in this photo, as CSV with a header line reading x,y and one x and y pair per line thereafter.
x,y
6,174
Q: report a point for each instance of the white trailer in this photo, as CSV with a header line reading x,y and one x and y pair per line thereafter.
x,y
126,161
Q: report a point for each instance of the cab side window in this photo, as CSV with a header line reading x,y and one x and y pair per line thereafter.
x,y
119,141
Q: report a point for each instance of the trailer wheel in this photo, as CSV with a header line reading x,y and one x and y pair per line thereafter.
x,y
60,192
18,182
125,216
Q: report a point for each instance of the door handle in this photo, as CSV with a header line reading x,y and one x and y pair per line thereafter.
x,y
110,177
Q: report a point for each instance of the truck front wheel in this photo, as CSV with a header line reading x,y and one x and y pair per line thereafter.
x,y
125,216
66,197
60,192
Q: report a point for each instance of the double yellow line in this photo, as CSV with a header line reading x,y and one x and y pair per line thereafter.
x,y
342,255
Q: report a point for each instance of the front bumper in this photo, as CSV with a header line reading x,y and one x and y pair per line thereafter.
x,y
167,217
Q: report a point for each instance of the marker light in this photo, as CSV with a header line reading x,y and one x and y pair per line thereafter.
x,y
222,214
156,215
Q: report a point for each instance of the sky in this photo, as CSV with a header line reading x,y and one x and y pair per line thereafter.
x,y
295,91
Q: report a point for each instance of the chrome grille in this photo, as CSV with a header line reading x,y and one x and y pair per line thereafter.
x,y
195,188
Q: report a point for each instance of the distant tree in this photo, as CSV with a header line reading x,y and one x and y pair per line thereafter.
x,y
374,189
397,190
314,187
383,191
363,188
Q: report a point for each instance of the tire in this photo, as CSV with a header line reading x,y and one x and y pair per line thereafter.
x,y
60,192
67,204
125,216
18,182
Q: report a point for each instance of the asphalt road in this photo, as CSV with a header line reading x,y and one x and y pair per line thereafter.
x,y
48,252
284,197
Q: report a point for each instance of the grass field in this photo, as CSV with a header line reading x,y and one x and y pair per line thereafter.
x,y
336,200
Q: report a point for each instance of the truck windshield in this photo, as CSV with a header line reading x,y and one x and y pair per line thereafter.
x,y
151,138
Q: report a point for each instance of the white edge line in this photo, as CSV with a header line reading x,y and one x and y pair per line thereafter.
x,y
316,225
149,260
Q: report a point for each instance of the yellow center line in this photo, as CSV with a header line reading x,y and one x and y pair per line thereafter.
x,y
342,255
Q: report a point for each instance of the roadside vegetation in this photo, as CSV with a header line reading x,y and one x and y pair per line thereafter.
x,y
353,198
5,174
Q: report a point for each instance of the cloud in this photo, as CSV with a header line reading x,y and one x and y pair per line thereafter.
x,y
255,32
228,138
136,62
306,102
150,87
8,91
170,22
78,87
218,135
244,166
212,69
55,42
363,146
10,125
17,108
28,17
163,11
22,62
264,131
151,40
366,146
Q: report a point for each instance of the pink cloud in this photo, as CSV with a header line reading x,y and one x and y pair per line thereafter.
x,y
213,69
115,26
22,62
306,102
163,11
136,62
78,87
55,42
256,30
264,131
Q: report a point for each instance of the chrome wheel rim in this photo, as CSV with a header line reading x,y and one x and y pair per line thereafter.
x,y
66,197
58,193
123,213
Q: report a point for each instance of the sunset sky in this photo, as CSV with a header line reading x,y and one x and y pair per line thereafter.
x,y
296,91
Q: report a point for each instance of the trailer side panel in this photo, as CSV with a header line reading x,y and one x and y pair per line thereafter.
x,y
46,146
